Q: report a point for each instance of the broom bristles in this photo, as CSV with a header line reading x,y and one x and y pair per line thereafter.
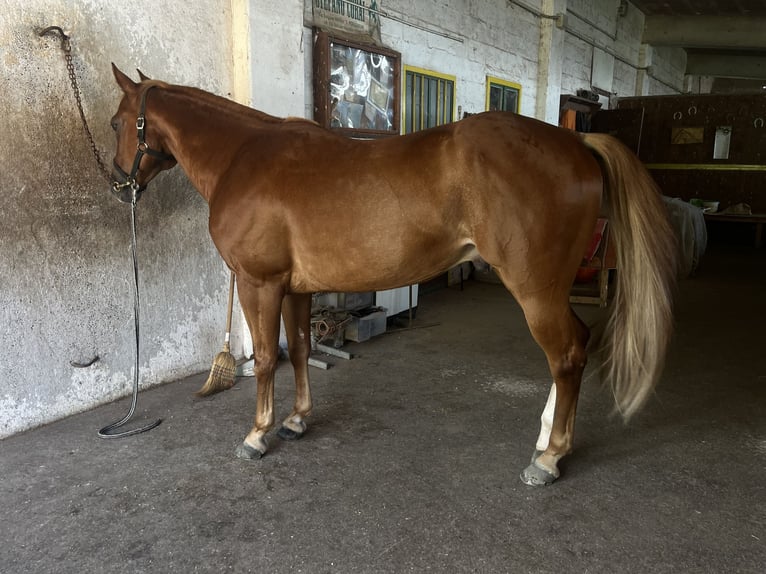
x,y
222,374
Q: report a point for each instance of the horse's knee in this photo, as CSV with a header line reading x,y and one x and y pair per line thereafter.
x,y
299,351
265,364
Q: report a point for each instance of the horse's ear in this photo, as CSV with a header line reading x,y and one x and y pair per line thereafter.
x,y
143,76
126,84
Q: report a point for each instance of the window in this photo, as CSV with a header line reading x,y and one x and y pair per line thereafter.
x,y
502,95
356,87
429,99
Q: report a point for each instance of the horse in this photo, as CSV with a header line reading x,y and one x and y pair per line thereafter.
x,y
521,194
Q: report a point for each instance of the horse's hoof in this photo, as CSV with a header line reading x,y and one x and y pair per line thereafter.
x,y
288,434
247,452
533,475
292,429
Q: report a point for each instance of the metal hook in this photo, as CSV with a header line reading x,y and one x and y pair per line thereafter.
x,y
57,30
50,29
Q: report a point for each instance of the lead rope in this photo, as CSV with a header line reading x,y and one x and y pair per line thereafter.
x,y
105,432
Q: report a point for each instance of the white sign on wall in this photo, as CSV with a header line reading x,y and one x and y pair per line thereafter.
x,y
358,17
602,71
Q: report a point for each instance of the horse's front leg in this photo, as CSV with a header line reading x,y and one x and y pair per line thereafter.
x,y
261,306
296,312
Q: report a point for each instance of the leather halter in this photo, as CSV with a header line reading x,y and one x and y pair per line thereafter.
x,y
122,180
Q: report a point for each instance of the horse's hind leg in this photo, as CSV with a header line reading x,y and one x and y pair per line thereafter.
x,y
563,337
261,305
296,312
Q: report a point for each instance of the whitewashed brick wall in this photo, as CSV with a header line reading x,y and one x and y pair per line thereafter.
x,y
498,39
668,66
620,35
469,39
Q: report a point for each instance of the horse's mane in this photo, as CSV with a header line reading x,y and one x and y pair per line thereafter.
x,y
221,104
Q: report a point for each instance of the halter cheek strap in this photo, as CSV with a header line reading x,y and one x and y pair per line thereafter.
x,y
120,179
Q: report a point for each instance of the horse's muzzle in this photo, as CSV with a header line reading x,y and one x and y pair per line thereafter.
x,y
125,193
125,187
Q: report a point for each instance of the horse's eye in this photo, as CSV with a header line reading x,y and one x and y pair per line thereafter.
x,y
115,124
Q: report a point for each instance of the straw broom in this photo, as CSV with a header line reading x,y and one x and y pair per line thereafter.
x,y
224,368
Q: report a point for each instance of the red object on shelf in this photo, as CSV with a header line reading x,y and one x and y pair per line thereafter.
x,y
598,234
586,275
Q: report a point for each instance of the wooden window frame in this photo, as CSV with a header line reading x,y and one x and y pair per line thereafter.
x,y
323,104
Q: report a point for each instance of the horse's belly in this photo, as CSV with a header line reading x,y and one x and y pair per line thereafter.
x,y
354,270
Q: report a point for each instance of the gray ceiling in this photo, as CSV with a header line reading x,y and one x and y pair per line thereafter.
x,y
702,7
723,38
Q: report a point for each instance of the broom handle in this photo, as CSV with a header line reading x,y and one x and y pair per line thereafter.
x,y
231,305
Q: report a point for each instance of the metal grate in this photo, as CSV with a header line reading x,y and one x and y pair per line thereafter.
x,y
429,101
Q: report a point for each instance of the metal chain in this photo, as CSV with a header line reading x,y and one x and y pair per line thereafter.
x,y
107,431
66,46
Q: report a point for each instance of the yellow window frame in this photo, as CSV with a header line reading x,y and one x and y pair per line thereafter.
x,y
492,80
423,72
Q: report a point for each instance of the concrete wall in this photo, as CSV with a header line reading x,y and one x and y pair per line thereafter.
x,y
596,24
666,74
281,58
469,40
65,267
472,39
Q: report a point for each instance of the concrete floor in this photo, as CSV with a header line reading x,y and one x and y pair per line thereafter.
x,y
412,458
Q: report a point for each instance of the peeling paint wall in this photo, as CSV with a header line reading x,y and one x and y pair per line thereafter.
x,y
65,266
281,58
470,40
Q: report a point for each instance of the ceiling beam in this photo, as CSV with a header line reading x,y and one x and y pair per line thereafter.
x,y
722,65
733,32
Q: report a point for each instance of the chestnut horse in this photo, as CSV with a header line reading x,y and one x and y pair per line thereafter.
x,y
522,194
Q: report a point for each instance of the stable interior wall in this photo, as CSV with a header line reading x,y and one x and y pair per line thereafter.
x,y
502,39
678,136
638,69
470,41
281,58
66,290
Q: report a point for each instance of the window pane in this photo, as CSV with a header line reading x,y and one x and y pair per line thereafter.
x,y
433,93
510,99
495,98
417,110
361,89
408,102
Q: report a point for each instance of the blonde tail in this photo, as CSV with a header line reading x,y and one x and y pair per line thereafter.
x,y
639,328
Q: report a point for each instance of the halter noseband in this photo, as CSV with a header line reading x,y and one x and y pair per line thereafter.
x,y
120,179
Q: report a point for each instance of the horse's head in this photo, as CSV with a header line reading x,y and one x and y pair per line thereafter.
x,y
140,153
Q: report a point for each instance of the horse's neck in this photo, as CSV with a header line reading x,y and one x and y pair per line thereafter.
x,y
204,133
